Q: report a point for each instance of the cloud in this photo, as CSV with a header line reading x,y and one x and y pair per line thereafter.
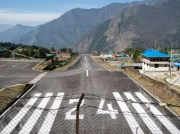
x,y
14,15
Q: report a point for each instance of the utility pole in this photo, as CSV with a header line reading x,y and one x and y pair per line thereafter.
x,y
171,59
77,113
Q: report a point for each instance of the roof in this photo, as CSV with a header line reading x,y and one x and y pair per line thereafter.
x,y
2,50
126,64
154,53
53,52
49,55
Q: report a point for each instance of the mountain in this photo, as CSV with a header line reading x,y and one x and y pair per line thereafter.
x,y
4,27
138,26
70,27
14,33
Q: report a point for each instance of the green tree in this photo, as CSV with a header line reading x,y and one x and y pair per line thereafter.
x,y
64,50
69,50
7,54
52,49
41,53
31,52
137,54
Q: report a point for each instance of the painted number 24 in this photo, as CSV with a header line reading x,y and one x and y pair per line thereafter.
x,y
110,111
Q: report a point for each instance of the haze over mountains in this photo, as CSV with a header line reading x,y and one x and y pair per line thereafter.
x,y
4,27
14,33
113,27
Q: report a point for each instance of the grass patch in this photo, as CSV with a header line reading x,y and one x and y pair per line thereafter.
x,y
9,94
67,64
105,64
43,65
57,65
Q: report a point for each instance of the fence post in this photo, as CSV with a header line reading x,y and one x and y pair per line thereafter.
x,y
77,113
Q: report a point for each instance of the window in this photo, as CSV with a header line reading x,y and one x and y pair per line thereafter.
x,y
156,65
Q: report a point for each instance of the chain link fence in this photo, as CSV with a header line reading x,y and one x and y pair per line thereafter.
x,y
25,119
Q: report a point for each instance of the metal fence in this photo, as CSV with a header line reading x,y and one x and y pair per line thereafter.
x,y
33,119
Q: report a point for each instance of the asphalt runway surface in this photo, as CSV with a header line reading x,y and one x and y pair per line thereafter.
x,y
14,72
108,105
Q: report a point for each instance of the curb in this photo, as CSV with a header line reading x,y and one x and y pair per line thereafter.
x,y
73,64
5,110
37,65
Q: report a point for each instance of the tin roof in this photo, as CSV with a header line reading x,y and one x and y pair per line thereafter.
x,y
154,53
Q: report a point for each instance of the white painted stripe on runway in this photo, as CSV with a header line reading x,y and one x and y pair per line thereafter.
x,y
46,127
147,120
87,73
162,119
14,65
35,80
13,123
35,116
129,117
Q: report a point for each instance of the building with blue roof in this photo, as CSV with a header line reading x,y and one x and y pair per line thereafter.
x,y
154,60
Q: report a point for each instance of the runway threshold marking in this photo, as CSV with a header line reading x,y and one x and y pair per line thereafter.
x,y
147,120
36,114
13,123
161,118
46,127
128,116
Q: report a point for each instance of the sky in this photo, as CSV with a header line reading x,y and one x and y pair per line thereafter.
x,y
36,12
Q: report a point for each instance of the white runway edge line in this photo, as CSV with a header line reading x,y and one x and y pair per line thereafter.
x,y
129,117
147,120
35,80
35,116
46,127
162,119
13,123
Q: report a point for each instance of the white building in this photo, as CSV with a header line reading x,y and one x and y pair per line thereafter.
x,y
154,60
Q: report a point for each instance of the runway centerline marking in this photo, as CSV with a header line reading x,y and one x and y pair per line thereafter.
x,y
87,72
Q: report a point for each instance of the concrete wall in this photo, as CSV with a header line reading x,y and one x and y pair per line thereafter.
x,y
151,67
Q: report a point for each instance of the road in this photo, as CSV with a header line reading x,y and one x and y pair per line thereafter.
x,y
108,105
